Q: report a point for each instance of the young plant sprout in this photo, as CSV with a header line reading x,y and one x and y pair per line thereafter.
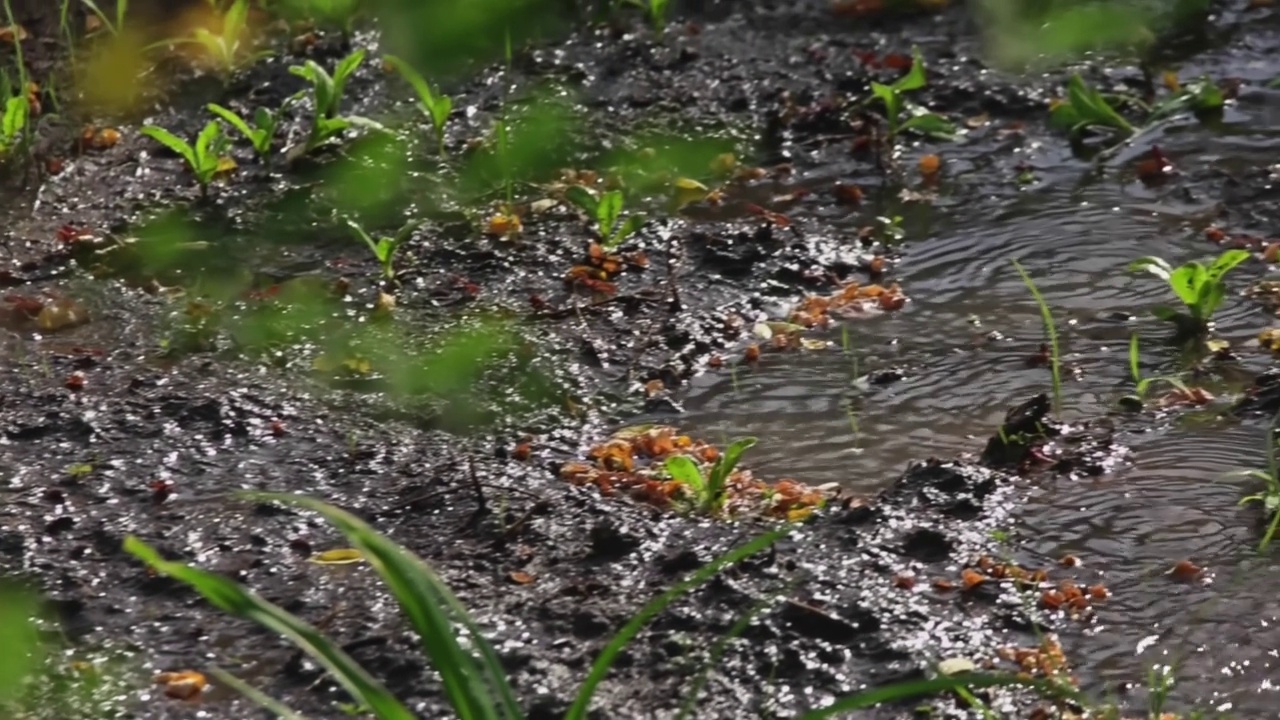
x,y
385,248
655,9
115,28
901,114
1051,331
606,210
1142,385
1201,289
13,124
1269,496
1085,108
709,492
263,131
436,106
204,157
229,50
326,96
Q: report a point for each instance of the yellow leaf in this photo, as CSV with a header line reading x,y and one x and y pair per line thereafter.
x,y
225,167
689,191
724,164
1170,79
358,365
799,514
13,33
340,556
1270,339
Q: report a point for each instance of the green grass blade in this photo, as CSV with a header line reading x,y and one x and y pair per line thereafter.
x,y
234,121
610,653
261,699
923,688
1135,370
231,597
1050,330
477,689
717,652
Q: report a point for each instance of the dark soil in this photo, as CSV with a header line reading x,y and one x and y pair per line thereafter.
x,y
171,437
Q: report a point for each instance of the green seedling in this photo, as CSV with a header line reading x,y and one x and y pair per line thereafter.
x,y
436,106
229,49
385,248
116,27
903,115
1085,109
656,10
709,491
1201,289
1050,330
204,157
263,131
1142,385
606,210
1269,496
326,96
13,125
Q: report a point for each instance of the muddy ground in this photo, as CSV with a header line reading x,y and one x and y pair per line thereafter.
x,y
171,426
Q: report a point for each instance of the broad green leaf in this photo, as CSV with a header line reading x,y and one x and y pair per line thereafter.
x,y
340,74
1186,282
436,106
583,198
232,598
385,250
173,142
207,150
1154,265
360,233
17,110
1064,116
914,79
476,687
1211,296
607,212
723,467
1225,263
930,124
684,470
627,229
892,104
1094,108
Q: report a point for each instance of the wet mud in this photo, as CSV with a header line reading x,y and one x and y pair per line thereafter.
x,y
107,431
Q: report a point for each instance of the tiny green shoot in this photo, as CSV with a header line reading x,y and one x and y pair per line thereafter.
x,y
326,96
709,491
436,105
1051,331
1201,289
904,116
385,248
1269,496
203,156
606,210
260,134
116,27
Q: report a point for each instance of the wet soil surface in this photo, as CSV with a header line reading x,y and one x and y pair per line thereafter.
x,y
870,590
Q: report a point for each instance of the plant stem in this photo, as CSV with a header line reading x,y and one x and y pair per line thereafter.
x,y
1050,330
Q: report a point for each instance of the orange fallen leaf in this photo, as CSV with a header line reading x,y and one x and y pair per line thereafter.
x,y
1185,571
848,194
521,577
503,225
1099,592
1069,561
930,165
972,578
753,353
184,685
12,33
904,581
522,451
1271,253
943,585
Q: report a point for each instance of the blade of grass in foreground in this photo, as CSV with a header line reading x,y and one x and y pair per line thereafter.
x,y
717,652
1051,330
477,688
231,597
921,688
610,653
263,700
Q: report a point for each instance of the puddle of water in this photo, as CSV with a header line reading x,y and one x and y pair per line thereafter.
x,y
1172,503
